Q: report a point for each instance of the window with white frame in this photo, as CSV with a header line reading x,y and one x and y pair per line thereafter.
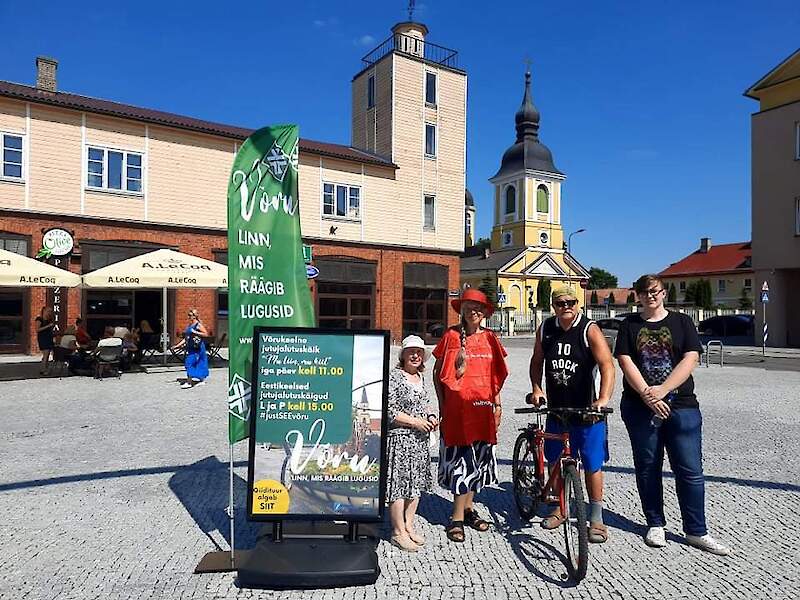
x,y
371,91
682,286
430,140
721,286
468,224
430,88
12,156
748,284
116,170
341,201
429,212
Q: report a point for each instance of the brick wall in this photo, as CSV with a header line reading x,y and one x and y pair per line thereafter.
x,y
390,261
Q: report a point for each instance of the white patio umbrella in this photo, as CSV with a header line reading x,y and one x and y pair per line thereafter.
x,y
20,271
165,269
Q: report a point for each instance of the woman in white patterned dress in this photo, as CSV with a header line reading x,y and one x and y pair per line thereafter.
x,y
407,450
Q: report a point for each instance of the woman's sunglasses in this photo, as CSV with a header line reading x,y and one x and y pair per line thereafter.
x,y
564,303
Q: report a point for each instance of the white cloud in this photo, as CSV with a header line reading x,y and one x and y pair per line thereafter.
x,y
364,40
327,22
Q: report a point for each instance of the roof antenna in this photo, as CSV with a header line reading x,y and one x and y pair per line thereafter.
x,y
411,7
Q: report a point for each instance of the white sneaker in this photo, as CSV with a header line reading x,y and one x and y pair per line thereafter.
x,y
655,537
709,544
186,385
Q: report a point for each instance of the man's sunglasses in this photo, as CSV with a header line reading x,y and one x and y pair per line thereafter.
x,y
564,303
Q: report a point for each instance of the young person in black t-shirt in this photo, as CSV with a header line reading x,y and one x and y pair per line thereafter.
x,y
572,352
657,351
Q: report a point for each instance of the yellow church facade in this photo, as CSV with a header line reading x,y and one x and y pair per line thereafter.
x,y
527,239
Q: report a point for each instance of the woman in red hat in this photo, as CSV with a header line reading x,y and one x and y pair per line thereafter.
x,y
469,372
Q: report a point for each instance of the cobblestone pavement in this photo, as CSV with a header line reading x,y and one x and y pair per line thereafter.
x,y
116,489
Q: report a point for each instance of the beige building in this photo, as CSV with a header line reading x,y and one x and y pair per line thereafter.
x,y
775,150
727,267
384,215
527,240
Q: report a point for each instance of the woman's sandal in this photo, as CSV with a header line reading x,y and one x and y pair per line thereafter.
x,y
455,531
474,520
553,521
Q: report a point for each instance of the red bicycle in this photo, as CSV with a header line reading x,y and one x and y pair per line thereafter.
x,y
533,486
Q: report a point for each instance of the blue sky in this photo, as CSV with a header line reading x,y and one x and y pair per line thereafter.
x,y
641,102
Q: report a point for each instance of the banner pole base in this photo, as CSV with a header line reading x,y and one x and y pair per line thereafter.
x,y
220,561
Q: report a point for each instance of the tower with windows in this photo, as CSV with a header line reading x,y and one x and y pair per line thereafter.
x,y
527,188
409,105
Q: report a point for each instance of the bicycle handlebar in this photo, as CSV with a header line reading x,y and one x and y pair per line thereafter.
x,y
603,410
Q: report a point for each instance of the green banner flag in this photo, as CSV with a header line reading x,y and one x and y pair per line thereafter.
x,y
266,272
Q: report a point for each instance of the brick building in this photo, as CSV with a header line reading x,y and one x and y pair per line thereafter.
x,y
384,215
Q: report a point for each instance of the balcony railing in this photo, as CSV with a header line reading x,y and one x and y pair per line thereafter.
x,y
413,46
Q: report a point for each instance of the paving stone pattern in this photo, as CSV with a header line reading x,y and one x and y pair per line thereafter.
x,y
116,489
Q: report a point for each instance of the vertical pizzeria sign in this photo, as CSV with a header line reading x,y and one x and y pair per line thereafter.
x,y
57,246
266,272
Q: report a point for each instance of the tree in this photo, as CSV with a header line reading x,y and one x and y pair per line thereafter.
x,y
745,303
543,294
611,300
593,298
631,298
489,287
483,242
699,294
672,294
600,279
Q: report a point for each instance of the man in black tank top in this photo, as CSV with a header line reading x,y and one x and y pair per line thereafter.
x,y
572,352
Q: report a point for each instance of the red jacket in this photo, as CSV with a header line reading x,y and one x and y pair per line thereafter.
x,y
467,407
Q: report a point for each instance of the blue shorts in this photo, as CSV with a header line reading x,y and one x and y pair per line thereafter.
x,y
590,442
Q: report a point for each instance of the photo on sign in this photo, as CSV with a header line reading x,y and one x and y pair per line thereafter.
x,y
318,424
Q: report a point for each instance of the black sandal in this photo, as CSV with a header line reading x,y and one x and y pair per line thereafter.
x,y
474,520
455,531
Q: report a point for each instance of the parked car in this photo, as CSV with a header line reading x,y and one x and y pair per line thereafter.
x,y
610,328
727,325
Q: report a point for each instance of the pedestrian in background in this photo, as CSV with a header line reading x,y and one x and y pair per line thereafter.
x,y
469,372
657,350
196,361
407,449
45,324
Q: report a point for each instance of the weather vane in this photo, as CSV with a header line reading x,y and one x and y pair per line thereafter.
x,y
411,4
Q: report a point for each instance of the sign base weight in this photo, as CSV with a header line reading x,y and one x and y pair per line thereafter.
x,y
309,563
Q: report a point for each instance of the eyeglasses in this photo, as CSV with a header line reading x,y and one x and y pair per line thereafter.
x,y
476,308
653,293
564,303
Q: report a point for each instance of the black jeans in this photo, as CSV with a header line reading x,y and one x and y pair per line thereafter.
x,y
682,437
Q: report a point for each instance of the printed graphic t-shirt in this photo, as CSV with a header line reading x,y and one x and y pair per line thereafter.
x,y
655,348
467,411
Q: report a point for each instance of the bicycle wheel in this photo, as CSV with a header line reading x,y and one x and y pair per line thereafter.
x,y
527,488
576,535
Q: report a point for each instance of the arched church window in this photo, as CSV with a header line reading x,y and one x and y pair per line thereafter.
x,y
511,200
542,199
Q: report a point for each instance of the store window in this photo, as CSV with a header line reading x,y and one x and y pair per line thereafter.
x,y
425,300
345,293
119,308
14,303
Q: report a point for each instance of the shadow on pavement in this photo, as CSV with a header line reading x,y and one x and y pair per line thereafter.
x,y
203,487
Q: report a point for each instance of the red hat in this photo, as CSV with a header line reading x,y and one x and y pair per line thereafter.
x,y
475,295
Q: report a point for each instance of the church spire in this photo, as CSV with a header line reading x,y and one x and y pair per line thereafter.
x,y
527,117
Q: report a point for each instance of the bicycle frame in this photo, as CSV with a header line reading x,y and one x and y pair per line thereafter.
x,y
555,477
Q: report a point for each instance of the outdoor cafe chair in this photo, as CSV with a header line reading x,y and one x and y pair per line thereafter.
x,y
215,346
148,345
105,357
61,359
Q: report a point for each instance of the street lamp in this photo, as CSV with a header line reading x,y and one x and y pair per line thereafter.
x,y
569,238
